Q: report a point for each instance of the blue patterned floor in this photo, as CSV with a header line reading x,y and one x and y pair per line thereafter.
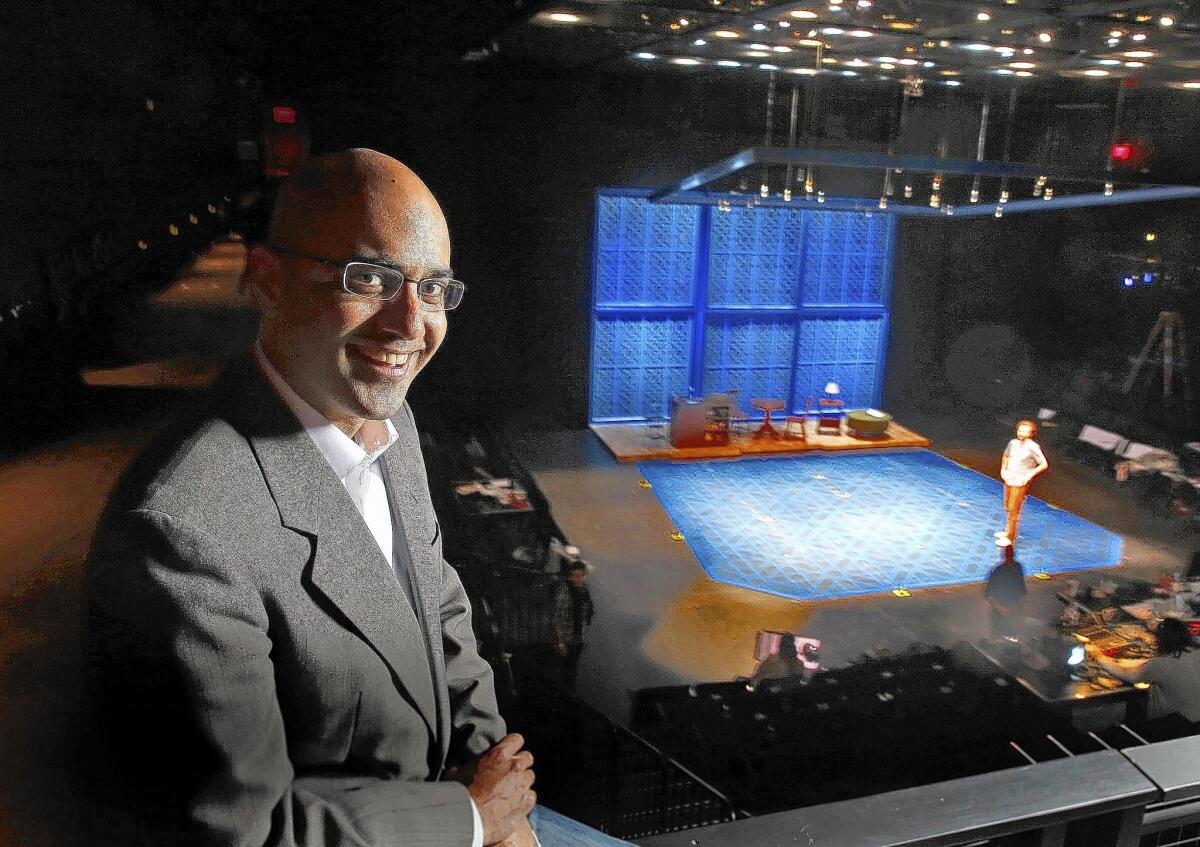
x,y
819,526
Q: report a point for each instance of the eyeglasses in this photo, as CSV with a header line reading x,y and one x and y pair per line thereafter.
x,y
380,282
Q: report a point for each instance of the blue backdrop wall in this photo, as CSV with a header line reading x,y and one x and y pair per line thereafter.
x,y
772,302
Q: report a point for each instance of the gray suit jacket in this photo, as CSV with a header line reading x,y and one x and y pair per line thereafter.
x,y
259,674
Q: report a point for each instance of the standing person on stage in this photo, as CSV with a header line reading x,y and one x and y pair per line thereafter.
x,y
276,650
1023,461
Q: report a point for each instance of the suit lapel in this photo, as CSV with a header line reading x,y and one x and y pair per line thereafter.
x,y
410,504
348,568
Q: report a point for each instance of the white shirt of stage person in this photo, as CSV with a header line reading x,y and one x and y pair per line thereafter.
x,y
1023,459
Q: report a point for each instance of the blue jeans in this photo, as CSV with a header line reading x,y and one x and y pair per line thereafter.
x,y
554,830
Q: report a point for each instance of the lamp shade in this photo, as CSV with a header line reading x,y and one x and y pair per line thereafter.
x,y
832,388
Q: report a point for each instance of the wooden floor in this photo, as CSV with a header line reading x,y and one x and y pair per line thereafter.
x,y
636,442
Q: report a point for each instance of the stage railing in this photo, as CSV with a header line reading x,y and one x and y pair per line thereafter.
x,y
1106,799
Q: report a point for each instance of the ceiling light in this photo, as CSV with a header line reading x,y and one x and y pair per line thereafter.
x,y
758,54
1109,62
1193,84
887,59
685,60
860,33
1045,37
784,25
949,72
943,43
849,73
1166,20
759,27
727,33
1116,33
1095,72
1024,73
699,42
977,47
833,30
729,63
803,14
810,42
1004,72
760,47
1135,64
644,55
768,67
562,17
863,4
1028,51
781,48
804,71
1138,36
1142,18
983,16
953,83
1022,65
1007,31
909,62
887,66
1113,42
829,60
901,25
884,76
927,64
1138,54
857,63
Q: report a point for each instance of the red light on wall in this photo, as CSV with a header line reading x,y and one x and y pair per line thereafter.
x,y
283,114
1122,152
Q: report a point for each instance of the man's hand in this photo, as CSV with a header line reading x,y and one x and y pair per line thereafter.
x,y
500,783
522,837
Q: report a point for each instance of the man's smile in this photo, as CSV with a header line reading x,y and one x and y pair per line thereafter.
x,y
389,361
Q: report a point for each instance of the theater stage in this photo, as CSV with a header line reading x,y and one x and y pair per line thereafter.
x,y
662,620
636,442
819,527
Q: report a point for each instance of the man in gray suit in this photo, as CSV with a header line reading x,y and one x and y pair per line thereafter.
x,y
276,648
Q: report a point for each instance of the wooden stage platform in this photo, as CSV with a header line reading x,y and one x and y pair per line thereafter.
x,y
637,442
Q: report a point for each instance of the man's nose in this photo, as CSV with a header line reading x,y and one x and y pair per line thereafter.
x,y
403,314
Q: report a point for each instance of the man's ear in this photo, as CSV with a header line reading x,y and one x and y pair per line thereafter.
x,y
262,280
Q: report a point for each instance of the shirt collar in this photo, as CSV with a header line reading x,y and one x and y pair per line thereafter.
x,y
343,453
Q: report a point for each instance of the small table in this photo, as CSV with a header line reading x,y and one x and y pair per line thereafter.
x,y
869,422
766,406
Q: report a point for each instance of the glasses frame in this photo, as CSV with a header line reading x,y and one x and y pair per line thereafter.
x,y
345,265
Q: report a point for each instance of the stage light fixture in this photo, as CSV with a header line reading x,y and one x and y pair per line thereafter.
x,y
983,17
1045,37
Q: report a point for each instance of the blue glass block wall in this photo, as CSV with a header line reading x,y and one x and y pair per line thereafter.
x,y
752,355
768,301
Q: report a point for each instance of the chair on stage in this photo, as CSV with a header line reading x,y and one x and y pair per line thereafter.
x,y
830,408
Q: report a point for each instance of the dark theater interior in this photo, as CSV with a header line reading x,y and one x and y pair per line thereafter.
x,y
817,441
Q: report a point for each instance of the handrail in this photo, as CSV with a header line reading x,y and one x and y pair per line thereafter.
x,y
1044,797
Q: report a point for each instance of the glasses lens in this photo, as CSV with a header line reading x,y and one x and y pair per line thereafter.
x,y
374,281
453,294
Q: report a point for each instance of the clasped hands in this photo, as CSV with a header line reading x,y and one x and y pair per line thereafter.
x,y
500,783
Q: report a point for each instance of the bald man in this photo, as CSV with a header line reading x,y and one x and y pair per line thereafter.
x,y
276,649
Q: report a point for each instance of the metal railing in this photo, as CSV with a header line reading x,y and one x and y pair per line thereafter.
x,y
1113,798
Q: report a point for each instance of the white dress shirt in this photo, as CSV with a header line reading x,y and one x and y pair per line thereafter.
x,y
361,475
